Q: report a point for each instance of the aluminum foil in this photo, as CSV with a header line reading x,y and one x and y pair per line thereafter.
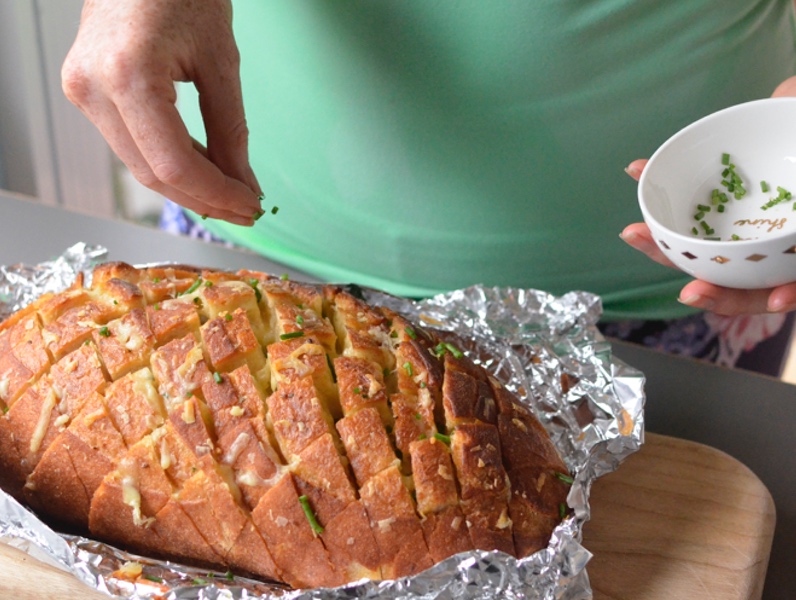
x,y
546,349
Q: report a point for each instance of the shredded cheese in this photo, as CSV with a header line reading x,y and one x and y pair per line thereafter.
x,y
44,420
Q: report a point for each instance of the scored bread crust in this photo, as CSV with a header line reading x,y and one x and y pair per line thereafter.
x,y
284,430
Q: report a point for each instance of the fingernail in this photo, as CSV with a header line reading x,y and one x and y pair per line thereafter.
x,y
638,242
780,306
698,301
245,221
634,172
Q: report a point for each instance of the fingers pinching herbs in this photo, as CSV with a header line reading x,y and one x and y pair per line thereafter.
x,y
121,71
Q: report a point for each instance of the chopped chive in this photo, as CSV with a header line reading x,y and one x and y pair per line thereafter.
x,y
229,576
418,416
228,317
385,372
157,306
284,277
5,409
694,230
408,368
156,280
705,226
438,350
193,287
725,159
410,332
217,377
257,294
154,578
258,215
422,384
274,210
305,505
720,208
445,439
699,216
104,332
712,238
564,477
204,217
703,208
199,581
299,320
357,390
562,510
197,300
454,350
735,237
291,335
764,186
208,284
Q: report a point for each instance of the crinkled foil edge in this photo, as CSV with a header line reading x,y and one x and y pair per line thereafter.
x,y
546,349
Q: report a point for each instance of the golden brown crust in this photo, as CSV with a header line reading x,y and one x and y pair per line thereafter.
x,y
298,553
395,525
241,421
367,444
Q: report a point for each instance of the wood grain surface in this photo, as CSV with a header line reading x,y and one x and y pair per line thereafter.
x,y
677,520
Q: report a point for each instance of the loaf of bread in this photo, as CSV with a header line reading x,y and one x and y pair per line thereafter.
x,y
243,422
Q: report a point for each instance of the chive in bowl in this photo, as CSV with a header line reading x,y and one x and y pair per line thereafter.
x,y
719,196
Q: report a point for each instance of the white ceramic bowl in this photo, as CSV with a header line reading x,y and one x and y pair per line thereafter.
x,y
745,246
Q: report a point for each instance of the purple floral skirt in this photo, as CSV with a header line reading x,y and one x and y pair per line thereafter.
x,y
754,342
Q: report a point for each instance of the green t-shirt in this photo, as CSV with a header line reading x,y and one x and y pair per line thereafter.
x,y
426,145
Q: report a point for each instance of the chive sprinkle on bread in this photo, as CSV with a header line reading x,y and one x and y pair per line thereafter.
x,y
244,422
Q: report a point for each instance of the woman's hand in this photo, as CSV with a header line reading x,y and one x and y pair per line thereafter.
x,y
704,295
121,71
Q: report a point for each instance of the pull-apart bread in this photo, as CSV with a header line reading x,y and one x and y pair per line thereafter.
x,y
239,421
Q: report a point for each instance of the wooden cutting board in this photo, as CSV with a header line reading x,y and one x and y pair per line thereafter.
x,y
677,520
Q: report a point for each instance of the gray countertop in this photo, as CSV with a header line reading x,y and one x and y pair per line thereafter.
x,y
750,417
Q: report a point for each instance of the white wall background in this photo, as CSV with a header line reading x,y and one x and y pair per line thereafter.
x,y
48,149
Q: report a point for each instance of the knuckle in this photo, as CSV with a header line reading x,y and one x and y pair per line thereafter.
x,y
238,133
76,83
146,177
170,172
117,70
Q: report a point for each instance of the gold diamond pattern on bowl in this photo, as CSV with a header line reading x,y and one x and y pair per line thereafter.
x,y
756,257
690,256
664,244
720,259
791,250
